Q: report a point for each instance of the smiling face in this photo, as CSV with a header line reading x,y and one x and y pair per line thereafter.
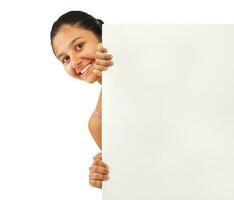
x,y
75,47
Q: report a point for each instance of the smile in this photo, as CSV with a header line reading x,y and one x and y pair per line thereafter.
x,y
85,69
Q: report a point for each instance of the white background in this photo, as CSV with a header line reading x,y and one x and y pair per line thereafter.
x,y
45,145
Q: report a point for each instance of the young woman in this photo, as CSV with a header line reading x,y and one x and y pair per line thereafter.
x,y
76,41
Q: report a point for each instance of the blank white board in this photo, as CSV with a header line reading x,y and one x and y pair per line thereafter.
x,y
168,112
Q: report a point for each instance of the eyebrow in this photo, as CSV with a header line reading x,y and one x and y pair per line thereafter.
x,y
61,54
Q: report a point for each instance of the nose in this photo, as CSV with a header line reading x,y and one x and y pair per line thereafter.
x,y
75,60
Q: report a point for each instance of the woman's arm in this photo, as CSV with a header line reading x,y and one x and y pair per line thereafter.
x,y
99,171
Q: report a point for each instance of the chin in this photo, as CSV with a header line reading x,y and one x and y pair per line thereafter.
x,y
91,79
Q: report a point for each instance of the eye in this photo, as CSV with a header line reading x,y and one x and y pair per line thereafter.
x,y
79,46
65,60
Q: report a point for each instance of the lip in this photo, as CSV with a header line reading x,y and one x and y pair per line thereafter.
x,y
78,71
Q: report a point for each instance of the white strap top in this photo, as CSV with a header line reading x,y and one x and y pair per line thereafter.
x,y
98,114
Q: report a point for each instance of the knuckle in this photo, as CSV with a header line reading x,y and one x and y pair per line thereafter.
x,y
99,68
99,162
100,169
98,47
92,183
95,67
97,54
106,64
98,62
108,56
96,71
110,63
96,176
94,169
95,183
90,176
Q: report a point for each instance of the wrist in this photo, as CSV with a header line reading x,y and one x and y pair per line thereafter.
x,y
99,80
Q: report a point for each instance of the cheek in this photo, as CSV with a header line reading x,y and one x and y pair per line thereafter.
x,y
69,71
91,51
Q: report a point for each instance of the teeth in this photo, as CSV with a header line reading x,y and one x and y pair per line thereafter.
x,y
85,69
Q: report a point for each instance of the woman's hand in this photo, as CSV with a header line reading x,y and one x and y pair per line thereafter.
x,y
102,60
98,172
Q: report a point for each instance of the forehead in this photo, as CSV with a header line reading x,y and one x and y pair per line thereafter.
x,y
68,33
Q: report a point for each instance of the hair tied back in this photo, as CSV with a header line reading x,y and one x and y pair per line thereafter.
x,y
99,21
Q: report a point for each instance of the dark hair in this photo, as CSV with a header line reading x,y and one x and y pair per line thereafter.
x,y
80,18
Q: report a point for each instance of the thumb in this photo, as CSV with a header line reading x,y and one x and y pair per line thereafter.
x,y
99,155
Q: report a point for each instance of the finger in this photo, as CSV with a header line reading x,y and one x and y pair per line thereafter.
x,y
97,184
99,162
98,177
98,169
105,63
105,165
98,67
101,48
103,56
